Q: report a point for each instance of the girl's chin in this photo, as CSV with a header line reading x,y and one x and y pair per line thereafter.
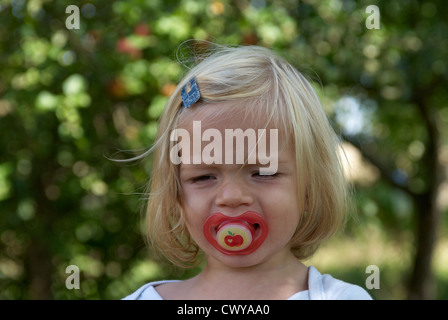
x,y
236,261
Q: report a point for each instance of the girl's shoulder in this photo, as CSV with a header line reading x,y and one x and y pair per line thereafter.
x,y
148,291
325,287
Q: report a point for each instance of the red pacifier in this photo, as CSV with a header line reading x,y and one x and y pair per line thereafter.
x,y
236,235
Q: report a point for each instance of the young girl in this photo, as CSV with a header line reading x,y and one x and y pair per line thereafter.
x,y
246,171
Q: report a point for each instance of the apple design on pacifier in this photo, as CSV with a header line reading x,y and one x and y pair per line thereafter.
x,y
239,235
233,240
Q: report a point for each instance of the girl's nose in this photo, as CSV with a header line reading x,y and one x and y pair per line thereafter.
x,y
234,193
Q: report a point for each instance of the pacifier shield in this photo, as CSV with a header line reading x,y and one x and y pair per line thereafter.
x,y
236,235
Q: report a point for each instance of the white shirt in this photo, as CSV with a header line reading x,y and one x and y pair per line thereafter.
x,y
320,287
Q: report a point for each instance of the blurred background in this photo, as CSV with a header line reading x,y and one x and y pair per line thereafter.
x,y
71,98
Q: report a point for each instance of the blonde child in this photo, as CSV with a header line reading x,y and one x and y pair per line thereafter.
x,y
254,220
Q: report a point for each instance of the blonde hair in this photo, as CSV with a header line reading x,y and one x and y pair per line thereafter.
x,y
277,91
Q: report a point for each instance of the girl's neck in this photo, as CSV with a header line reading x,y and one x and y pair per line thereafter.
x,y
269,280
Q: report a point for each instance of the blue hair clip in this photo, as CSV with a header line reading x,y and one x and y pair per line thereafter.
x,y
192,96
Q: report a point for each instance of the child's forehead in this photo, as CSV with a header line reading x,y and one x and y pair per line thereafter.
x,y
227,124
225,115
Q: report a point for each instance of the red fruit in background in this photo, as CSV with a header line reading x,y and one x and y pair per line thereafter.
x,y
141,29
250,39
117,88
124,46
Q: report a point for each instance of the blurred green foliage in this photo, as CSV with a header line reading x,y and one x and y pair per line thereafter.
x,y
69,99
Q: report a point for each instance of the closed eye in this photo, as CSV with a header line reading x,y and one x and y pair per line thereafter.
x,y
202,178
257,174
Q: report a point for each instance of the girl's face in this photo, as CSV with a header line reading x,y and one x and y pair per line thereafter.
x,y
233,189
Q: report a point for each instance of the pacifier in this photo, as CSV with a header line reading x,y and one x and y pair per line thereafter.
x,y
236,235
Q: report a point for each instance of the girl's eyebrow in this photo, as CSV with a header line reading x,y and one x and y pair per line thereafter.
x,y
204,166
200,166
